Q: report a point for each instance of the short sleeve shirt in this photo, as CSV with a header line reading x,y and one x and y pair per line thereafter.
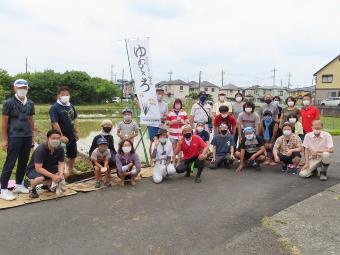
x,y
282,144
164,151
308,115
127,128
18,117
199,114
100,157
248,120
217,105
237,109
324,141
163,110
65,116
193,149
270,107
253,147
223,144
42,155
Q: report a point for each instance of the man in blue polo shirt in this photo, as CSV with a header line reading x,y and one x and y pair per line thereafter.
x,y
17,138
63,116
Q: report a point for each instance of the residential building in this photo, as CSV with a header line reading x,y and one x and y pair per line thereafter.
x,y
230,90
256,93
298,93
328,80
174,88
206,86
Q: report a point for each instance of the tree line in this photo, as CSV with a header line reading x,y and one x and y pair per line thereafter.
x,y
43,86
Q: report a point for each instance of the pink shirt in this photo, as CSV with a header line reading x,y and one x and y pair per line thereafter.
x,y
324,141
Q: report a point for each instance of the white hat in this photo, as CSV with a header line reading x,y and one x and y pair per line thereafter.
x,y
21,83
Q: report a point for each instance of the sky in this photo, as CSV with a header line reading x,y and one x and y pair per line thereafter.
x,y
246,39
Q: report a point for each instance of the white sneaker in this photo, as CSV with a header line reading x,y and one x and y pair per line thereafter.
x,y
20,189
7,195
53,186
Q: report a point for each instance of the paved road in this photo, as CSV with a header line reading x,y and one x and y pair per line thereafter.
x,y
175,217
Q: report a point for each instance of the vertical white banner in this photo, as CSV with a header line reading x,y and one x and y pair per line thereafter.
x,y
145,89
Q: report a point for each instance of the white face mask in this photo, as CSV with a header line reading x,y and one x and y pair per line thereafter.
x,y
224,115
306,102
199,129
21,92
316,131
221,98
127,117
65,99
159,97
290,103
54,143
126,149
276,102
249,137
248,110
292,120
287,132
163,140
238,99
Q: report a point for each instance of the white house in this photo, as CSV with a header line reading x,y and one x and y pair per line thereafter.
x,y
256,93
174,88
206,86
230,90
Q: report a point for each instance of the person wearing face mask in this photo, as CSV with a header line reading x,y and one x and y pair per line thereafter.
x,y
224,117
223,148
163,110
248,118
201,112
269,105
105,133
319,147
63,117
17,138
268,132
287,149
309,113
201,132
162,157
221,101
100,160
128,128
251,149
127,162
47,165
176,119
237,109
293,119
194,150
277,101
290,109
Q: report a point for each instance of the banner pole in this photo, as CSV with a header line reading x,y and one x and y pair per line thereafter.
x,y
136,108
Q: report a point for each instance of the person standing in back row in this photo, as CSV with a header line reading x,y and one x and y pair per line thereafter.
x,y
17,138
63,118
201,112
221,101
309,113
270,106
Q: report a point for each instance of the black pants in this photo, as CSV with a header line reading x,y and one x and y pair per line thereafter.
x,y
288,159
18,148
185,166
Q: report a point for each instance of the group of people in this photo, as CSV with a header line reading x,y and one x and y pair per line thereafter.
x,y
219,134
225,132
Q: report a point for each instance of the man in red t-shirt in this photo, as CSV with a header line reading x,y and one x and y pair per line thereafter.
x,y
225,118
194,151
309,113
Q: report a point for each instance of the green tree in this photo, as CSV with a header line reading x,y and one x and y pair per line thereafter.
x,y
6,83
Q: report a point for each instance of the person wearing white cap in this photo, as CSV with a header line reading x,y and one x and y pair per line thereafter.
x,y
17,138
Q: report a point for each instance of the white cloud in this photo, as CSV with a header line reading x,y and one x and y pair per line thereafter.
x,y
245,38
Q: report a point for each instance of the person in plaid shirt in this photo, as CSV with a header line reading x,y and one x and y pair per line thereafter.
x,y
287,149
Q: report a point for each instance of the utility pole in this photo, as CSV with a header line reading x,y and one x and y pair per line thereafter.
x,y
26,65
170,74
274,71
289,75
199,81
123,82
281,83
222,77
112,73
